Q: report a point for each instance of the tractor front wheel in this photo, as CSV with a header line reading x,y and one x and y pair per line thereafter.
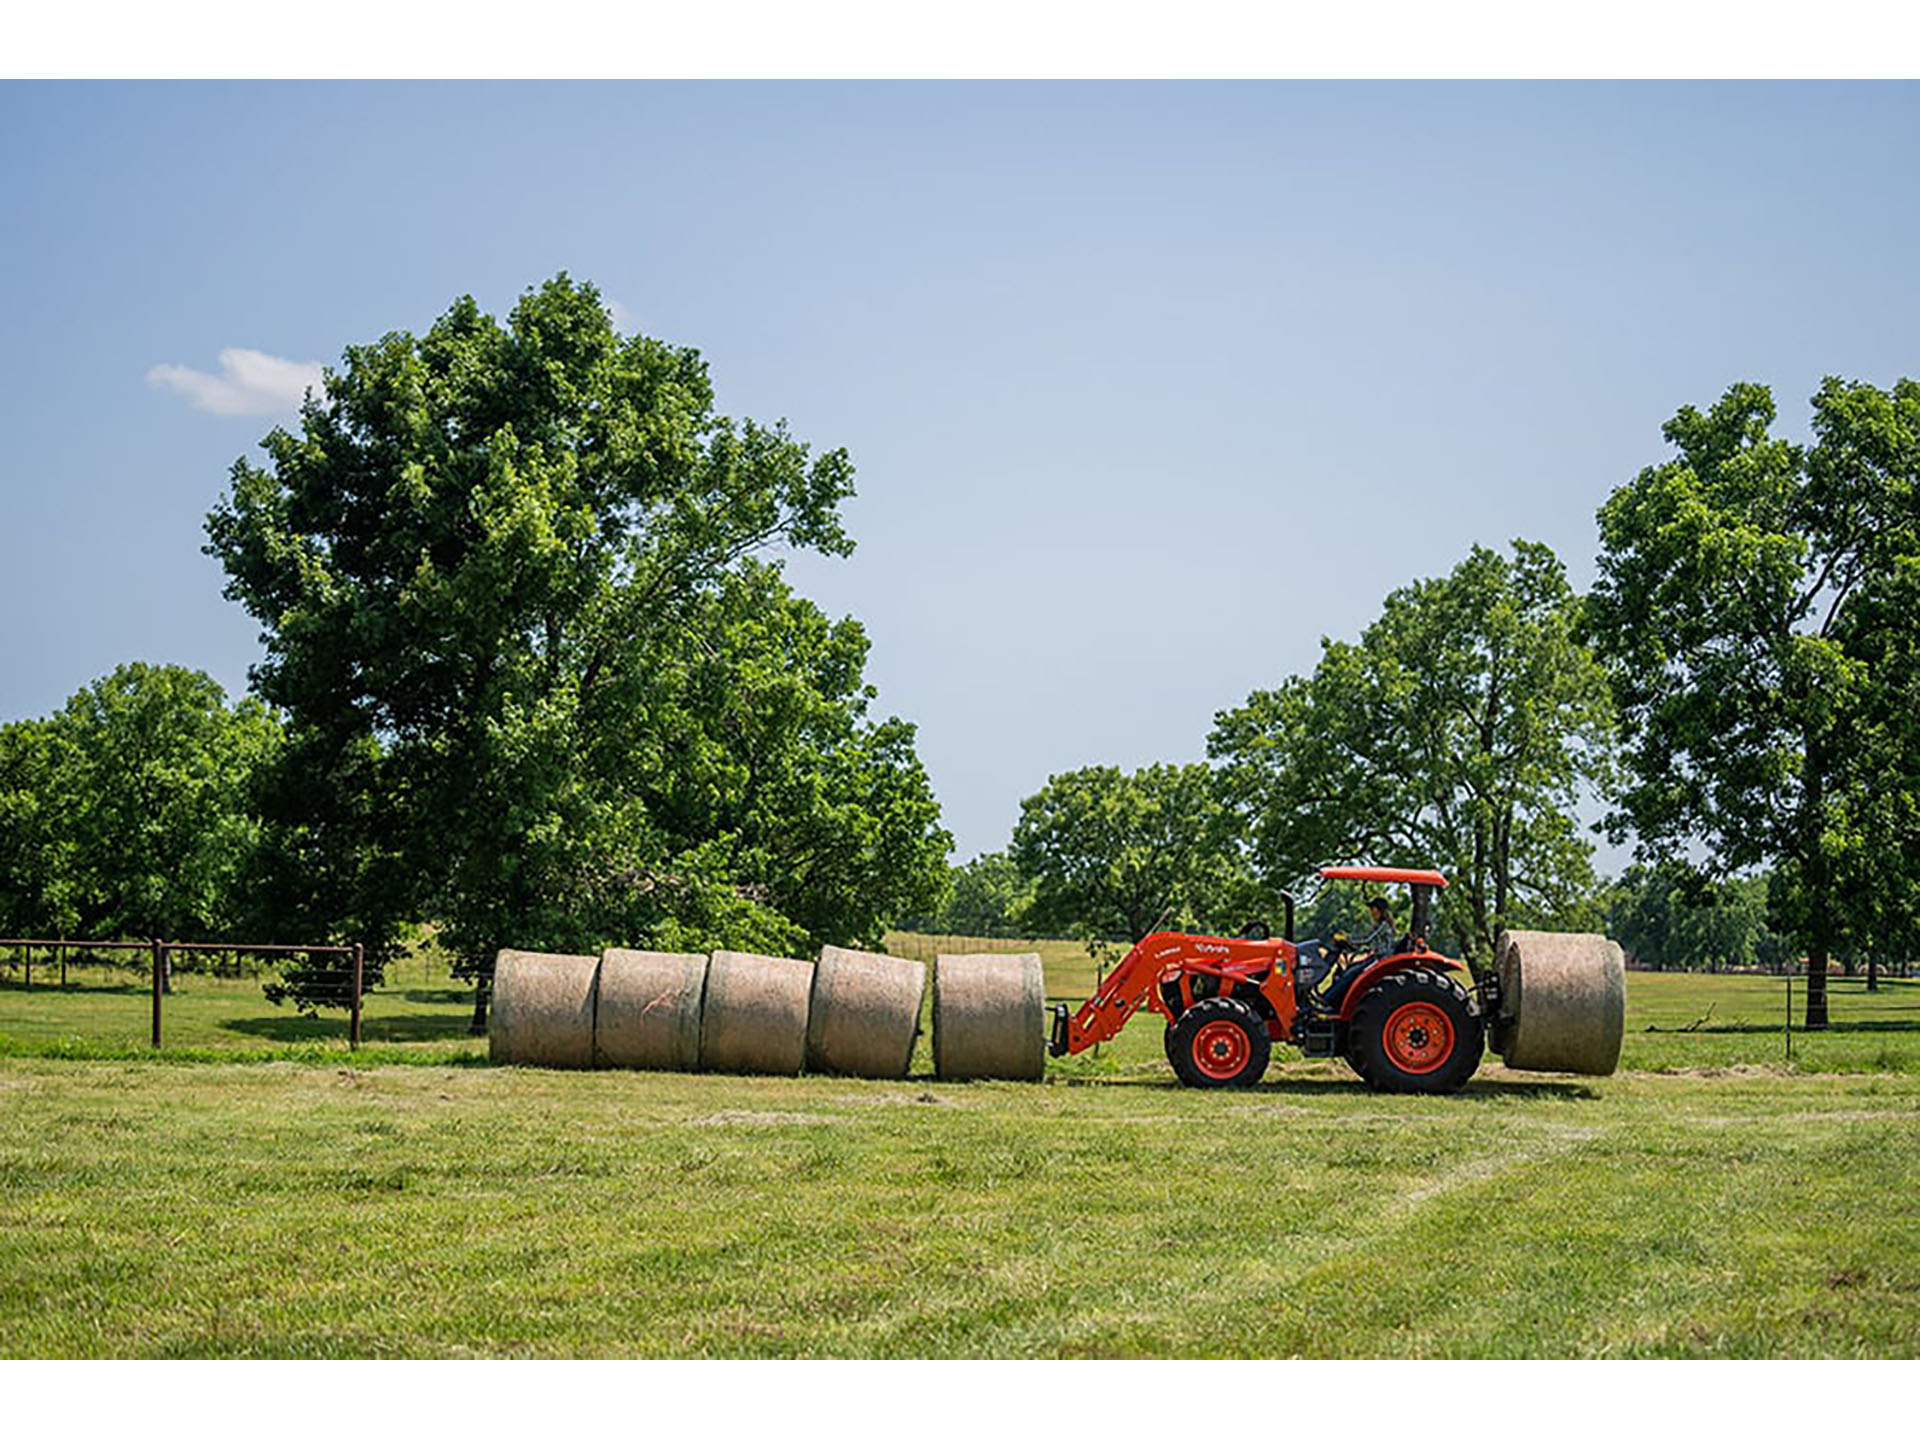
x,y
1219,1043
1418,1032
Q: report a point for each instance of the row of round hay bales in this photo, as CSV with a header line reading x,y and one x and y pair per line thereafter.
x,y
851,1012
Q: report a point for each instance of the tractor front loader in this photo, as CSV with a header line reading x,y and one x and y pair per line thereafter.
x,y
1413,1020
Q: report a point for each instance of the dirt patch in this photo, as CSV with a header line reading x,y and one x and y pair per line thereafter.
x,y
896,1097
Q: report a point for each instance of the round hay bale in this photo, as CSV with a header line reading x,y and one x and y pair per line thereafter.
x,y
755,1016
989,1017
865,1013
1563,999
542,1010
648,1015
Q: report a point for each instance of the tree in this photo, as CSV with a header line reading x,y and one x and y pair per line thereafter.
x,y
1748,591
743,734
1113,854
127,812
989,898
1666,919
36,890
477,567
1459,734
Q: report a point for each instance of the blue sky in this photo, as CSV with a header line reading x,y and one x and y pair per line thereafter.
x,y
1149,386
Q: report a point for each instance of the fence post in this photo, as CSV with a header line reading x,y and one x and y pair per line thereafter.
x,y
158,962
63,962
29,954
359,969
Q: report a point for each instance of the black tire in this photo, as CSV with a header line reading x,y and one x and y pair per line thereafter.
x,y
1166,1040
1356,1062
1219,1044
1416,1032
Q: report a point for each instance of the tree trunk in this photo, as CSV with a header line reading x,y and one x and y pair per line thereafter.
x,y
482,989
1817,989
1873,971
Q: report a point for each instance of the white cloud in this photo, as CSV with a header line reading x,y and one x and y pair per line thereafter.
x,y
249,383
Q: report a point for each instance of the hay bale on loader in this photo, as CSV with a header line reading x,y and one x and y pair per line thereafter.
x,y
1563,1002
648,1013
989,1017
865,1013
543,1009
754,1019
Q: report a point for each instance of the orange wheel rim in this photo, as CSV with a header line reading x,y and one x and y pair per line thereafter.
x,y
1221,1049
1419,1037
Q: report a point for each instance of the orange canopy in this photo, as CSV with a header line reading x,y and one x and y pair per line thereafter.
x,y
1382,873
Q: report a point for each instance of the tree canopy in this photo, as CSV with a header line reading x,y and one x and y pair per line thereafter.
x,y
1666,919
1754,611
1458,733
127,813
988,897
1114,854
533,691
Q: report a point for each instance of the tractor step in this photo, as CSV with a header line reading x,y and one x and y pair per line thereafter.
x,y
1320,1037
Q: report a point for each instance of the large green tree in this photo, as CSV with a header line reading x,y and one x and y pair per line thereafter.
x,y
1113,854
128,813
1459,733
499,576
1753,606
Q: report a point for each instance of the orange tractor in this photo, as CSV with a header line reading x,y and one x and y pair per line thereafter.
x,y
1403,1021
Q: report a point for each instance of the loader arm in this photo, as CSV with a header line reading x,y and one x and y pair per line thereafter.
x,y
1119,998
1133,984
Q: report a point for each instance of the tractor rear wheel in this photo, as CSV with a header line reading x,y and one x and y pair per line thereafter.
x,y
1417,1032
1219,1043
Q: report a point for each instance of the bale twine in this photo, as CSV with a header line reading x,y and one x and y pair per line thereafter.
x,y
865,1013
1564,1000
542,1011
755,1016
648,1015
989,1017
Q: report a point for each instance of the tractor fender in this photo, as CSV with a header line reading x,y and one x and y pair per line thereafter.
x,y
1392,965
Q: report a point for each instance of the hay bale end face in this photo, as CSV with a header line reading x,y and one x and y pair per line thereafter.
x,y
989,1017
1563,1001
865,1013
542,1010
648,1013
754,1020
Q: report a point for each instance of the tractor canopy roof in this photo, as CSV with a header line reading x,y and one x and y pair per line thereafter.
x,y
1383,873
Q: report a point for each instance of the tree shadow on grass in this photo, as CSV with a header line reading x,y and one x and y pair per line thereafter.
x,y
374,1030
1834,1027
1481,1090
132,985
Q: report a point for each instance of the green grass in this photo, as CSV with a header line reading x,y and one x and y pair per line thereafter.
x,y
301,1210
279,1197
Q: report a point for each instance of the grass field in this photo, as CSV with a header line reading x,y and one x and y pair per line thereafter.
x,y
259,1191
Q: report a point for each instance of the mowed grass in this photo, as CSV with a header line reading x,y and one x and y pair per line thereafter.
x,y
280,1197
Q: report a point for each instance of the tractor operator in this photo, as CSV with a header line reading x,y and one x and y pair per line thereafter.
x,y
1379,940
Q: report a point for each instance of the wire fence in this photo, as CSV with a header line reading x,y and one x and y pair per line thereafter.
x,y
157,957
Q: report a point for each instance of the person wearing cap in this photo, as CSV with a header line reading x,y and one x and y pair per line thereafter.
x,y
1379,940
